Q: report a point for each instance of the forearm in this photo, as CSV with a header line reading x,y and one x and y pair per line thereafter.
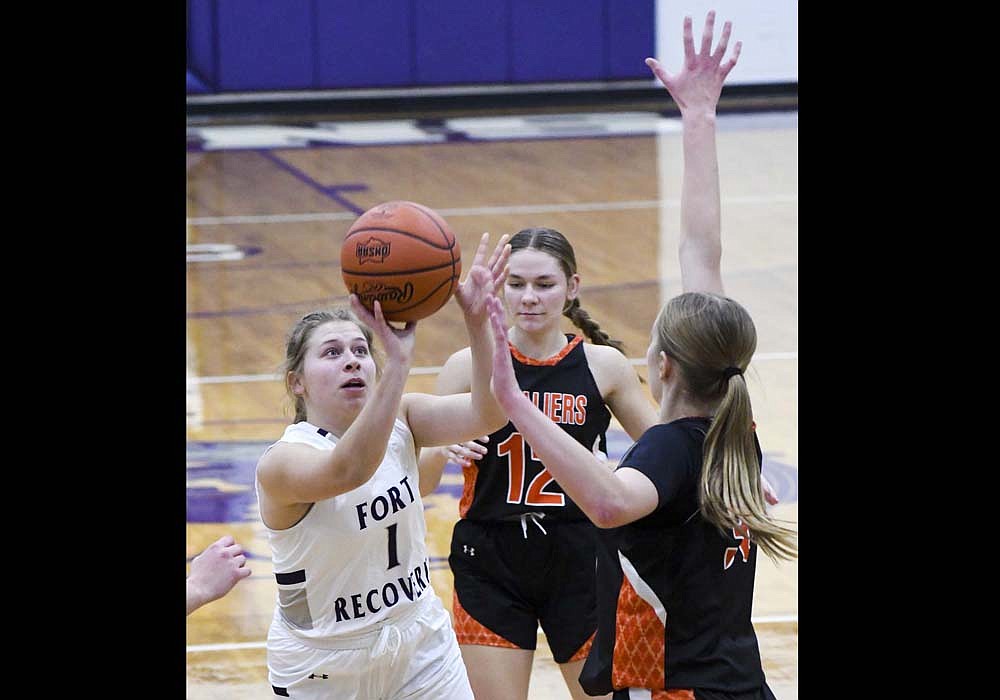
x,y
584,478
361,448
701,224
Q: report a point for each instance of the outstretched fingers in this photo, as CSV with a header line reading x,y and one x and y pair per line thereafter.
x,y
498,261
706,34
480,255
698,84
498,257
720,50
689,56
483,275
659,71
471,294
500,277
500,253
728,65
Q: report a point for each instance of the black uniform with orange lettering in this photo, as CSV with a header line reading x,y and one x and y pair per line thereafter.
x,y
523,552
672,584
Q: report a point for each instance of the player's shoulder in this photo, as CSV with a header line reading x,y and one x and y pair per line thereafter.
x,y
276,459
686,431
298,439
463,355
457,368
604,352
282,450
605,357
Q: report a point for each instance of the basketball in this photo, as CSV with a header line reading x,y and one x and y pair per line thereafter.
x,y
404,255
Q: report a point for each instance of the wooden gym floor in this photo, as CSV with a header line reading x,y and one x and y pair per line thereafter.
x,y
267,208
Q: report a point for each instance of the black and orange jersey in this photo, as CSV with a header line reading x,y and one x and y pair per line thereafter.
x,y
508,481
674,594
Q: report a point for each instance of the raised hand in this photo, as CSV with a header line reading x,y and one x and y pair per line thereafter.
x,y
484,278
698,85
396,342
498,262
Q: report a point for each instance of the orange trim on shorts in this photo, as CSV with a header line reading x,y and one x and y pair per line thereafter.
x,y
582,652
469,631
525,360
469,474
672,694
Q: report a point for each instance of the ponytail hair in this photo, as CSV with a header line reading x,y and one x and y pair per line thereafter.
x,y
582,320
712,339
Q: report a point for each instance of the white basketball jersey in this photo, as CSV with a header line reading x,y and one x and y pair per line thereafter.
x,y
357,559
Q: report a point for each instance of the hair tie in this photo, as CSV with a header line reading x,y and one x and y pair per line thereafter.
x,y
730,371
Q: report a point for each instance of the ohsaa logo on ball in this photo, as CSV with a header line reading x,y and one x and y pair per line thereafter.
x,y
376,291
374,250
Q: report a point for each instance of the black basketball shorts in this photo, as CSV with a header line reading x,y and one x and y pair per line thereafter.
x,y
510,577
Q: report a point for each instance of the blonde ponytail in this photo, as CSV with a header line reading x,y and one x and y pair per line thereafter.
x,y
712,338
731,495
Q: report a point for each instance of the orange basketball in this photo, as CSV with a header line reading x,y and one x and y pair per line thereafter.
x,y
404,255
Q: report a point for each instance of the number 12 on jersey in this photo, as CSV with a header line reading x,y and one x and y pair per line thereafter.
x,y
518,455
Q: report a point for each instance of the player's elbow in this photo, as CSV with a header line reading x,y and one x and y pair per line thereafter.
x,y
347,474
430,475
608,513
700,252
498,421
491,420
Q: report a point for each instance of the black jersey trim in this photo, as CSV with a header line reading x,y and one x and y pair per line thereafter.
x,y
291,577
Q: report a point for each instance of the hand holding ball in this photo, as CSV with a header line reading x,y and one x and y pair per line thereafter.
x,y
404,255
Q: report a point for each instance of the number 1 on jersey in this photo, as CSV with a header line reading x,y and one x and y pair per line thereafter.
x,y
393,557
517,459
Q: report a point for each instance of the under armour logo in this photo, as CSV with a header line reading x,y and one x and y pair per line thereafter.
x,y
742,533
321,675
471,551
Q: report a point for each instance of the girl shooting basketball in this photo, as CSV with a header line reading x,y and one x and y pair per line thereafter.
x,y
356,617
